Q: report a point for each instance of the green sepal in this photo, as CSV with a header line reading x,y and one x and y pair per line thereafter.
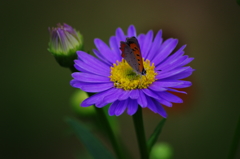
x,y
92,144
153,138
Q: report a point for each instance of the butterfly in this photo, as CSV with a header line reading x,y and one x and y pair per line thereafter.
x,y
131,52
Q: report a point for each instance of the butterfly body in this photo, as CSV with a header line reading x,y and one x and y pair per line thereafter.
x,y
131,52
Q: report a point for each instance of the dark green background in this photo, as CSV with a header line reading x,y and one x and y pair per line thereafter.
x,y
35,91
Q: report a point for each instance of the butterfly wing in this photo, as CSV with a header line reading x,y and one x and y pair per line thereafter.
x,y
128,55
134,45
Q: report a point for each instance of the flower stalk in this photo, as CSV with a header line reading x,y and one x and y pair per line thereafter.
x,y
235,141
139,129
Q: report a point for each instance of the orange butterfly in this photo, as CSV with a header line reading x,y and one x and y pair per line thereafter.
x,y
131,52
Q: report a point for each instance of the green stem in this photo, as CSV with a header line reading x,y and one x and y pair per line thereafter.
x,y
108,129
235,141
139,128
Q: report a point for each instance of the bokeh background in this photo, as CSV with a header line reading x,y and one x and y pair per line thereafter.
x,y
35,91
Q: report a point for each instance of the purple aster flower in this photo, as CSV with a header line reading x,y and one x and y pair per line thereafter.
x,y
114,80
64,42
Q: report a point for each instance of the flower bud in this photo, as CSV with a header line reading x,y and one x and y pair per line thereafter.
x,y
161,150
77,98
64,42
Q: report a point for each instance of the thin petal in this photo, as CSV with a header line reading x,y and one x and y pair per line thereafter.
x,y
174,90
106,52
115,47
134,94
150,93
171,64
131,31
147,43
110,98
132,106
120,35
160,109
141,38
184,84
101,57
91,87
168,83
89,59
122,105
182,75
96,97
111,110
164,102
155,87
172,72
170,97
142,101
151,105
92,69
172,57
89,78
155,46
167,47
124,95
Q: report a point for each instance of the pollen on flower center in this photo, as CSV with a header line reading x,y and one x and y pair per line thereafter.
x,y
126,78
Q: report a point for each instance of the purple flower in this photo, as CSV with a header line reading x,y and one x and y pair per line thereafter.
x,y
114,81
64,42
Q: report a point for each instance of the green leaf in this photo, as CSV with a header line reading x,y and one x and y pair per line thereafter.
x,y
93,145
153,138
238,2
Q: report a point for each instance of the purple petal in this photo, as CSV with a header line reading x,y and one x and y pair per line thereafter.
x,y
106,52
172,58
155,87
111,110
182,75
120,35
142,101
96,97
164,102
110,98
120,108
185,62
124,95
131,31
132,106
91,87
170,97
160,109
90,60
184,85
167,83
171,73
92,68
147,43
167,47
151,105
100,56
89,78
115,47
171,64
150,93
134,94
141,39
155,46
174,90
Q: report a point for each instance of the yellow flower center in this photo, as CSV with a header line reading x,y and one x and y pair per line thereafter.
x,y
123,75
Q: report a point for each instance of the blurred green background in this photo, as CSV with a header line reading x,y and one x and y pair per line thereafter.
x,y
35,91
